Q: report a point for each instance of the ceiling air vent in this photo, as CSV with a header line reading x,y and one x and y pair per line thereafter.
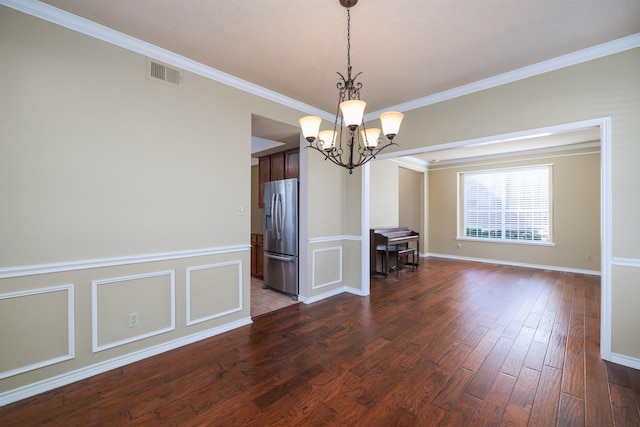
x,y
163,73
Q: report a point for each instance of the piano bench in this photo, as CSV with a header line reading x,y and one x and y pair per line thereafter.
x,y
392,250
406,252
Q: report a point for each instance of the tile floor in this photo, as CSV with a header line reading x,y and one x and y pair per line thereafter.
x,y
266,300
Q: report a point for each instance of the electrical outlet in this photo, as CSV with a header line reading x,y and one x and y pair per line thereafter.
x,y
459,245
134,319
589,257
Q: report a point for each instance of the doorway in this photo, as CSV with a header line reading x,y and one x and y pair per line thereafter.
x,y
269,137
411,201
603,129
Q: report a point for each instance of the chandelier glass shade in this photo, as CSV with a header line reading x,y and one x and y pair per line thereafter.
x,y
344,145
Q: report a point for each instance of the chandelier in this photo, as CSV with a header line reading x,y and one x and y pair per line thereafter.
x,y
344,145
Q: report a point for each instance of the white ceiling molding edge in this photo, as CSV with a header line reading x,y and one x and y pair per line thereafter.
x,y
543,153
92,29
524,134
412,162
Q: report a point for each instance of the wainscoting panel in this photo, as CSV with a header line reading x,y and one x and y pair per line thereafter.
x,y
67,321
327,267
625,294
39,325
131,308
213,291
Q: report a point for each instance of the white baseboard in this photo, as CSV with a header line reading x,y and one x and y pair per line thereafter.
x,y
355,291
517,264
334,292
630,362
29,390
324,295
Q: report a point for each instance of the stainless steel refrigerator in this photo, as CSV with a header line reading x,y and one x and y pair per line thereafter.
x,y
281,236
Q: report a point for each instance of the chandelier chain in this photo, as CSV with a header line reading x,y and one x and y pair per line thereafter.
x,y
348,39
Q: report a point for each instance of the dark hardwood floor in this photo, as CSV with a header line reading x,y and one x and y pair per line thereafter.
x,y
453,344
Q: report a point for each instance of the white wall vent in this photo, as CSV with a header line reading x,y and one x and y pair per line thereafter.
x,y
164,73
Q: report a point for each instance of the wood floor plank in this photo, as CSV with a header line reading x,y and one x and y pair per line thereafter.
x,y
545,405
475,335
462,412
435,380
556,350
268,398
570,411
625,406
495,402
591,302
396,416
344,400
451,344
485,376
480,352
573,373
576,321
520,403
535,356
515,358
618,374
453,389
596,390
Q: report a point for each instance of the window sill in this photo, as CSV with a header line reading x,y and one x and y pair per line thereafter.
x,y
509,242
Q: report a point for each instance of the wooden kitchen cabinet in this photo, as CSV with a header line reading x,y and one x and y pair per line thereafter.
x,y
277,166
283,165
257,256
292,164
264,175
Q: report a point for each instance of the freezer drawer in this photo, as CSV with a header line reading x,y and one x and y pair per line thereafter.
x,y
281,272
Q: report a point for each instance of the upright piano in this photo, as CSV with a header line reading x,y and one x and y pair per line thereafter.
x,y
391,240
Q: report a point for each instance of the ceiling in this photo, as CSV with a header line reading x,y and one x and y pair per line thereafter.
x,y
405,49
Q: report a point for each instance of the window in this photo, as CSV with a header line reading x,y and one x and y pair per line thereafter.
x,y
507,204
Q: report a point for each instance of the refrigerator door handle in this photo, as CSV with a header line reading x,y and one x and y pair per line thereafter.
x,y
280,258
279,217
274,219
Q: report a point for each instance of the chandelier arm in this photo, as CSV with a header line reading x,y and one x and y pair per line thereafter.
x,y
333,158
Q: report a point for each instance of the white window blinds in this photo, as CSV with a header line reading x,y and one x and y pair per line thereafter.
x,y
508,204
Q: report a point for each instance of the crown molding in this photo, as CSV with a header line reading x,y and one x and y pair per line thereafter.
x,y
92,29
574,58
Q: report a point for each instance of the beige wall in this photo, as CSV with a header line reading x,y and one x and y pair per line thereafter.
x,y
384,194
105,163
575,220
114,189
